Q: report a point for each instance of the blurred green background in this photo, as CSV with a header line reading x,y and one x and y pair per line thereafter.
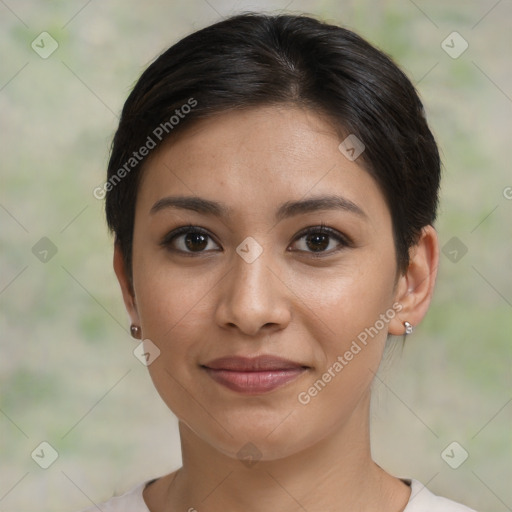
x,y
67,372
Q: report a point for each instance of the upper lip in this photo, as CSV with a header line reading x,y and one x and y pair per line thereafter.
x,y
252,364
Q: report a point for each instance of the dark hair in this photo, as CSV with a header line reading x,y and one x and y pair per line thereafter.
x,y
255,59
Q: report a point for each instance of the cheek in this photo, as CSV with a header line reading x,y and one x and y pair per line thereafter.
x,y
340,304
171,304
349,319
173,314
171,300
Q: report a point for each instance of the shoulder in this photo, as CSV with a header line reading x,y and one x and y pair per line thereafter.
x,y
131,501
422,500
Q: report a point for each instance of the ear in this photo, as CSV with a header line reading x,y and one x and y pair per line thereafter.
x,y
126,285
415,287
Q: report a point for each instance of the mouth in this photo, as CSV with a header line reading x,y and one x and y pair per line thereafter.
x,y
255,375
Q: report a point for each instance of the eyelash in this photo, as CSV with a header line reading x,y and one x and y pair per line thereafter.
x,y
322,229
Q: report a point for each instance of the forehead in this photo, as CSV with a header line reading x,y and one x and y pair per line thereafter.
x,y
258,158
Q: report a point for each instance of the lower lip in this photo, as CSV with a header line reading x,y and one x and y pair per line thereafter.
x,y
254,382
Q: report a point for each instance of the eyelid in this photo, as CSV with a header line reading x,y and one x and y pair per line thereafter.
x,y
342,239
326,230
175,233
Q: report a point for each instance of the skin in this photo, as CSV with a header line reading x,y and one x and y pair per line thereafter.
x,y
287,302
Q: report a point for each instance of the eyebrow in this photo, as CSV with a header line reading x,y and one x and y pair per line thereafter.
x,y
286,210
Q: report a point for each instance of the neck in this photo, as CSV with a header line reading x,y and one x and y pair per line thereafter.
x,y
336,473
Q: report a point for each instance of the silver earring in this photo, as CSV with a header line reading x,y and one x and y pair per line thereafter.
x,y
135,332
408,328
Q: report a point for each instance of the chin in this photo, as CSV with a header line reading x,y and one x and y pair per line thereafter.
x,y
258,437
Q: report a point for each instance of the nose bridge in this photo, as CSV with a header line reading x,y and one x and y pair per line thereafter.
x,y
251,272
252,298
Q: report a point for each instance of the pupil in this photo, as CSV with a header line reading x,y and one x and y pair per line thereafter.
x,y
194,238
319,242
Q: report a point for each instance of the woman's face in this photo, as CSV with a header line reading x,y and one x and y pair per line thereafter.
x,y
255,275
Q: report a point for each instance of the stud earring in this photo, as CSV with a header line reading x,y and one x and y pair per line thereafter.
x,y
408,328
135,332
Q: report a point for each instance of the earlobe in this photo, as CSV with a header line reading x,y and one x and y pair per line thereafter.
x,y
126,285
416,286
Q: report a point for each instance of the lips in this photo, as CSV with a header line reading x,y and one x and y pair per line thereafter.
x,y
253,375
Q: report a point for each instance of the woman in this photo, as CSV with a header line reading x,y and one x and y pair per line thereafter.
x,y
272,188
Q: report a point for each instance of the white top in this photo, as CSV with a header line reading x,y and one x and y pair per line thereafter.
x,y
421,500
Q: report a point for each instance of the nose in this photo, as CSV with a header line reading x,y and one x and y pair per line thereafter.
x,y
252,298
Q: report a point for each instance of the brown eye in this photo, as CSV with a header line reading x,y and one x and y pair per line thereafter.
x,y
196,241
321,240
317,242
188,240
